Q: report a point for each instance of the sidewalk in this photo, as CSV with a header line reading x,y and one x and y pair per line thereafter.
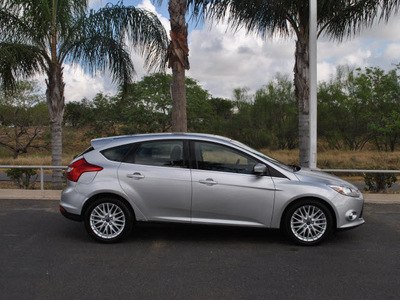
x,y
30,194
56,195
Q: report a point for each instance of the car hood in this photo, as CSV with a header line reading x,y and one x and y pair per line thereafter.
x,y
318,176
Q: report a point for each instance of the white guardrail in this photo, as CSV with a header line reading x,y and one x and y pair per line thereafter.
x,y
41,168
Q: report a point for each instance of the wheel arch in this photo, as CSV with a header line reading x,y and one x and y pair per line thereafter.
x,y
322,201
109,195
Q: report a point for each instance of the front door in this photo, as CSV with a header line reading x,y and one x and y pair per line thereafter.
x,y
225,190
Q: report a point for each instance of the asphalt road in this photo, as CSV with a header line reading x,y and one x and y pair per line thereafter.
x,y
44,256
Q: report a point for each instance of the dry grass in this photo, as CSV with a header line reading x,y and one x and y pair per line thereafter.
x,y
345,159
33,160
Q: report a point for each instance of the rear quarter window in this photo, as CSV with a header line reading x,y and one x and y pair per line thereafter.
x,y
116,153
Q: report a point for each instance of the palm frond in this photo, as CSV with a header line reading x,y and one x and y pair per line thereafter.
x,y
100,52
99,41
337,18
19,61
350,17
141,28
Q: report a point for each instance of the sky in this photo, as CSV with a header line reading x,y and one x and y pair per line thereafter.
x,y
222,60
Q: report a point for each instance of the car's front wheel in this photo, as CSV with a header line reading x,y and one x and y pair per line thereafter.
x,y
108,220
308,222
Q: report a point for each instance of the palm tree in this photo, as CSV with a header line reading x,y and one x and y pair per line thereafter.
x,y
39,36
178,61
336,18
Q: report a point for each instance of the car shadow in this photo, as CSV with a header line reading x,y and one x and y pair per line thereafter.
x,y
204,233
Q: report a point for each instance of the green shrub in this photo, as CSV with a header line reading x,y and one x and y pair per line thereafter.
x,y
379,182
23,178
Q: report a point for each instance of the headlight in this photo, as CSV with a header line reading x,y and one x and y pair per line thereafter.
x,y
347,191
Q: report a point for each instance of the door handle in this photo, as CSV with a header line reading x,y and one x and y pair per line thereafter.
x,y
135,175
208,181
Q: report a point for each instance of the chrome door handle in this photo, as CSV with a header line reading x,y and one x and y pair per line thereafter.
x,y
135,175
208,181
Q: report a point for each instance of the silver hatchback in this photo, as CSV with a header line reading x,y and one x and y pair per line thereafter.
x,y
202,179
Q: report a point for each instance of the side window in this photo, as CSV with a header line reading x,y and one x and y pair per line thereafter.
x,y
159,153
116,153
216,157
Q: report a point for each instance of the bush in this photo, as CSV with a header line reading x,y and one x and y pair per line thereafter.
x,y
23,178
379,182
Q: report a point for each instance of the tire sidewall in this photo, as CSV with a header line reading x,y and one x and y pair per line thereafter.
x,y
290,211
128,219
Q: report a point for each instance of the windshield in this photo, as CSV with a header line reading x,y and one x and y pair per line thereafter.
x,y
263,156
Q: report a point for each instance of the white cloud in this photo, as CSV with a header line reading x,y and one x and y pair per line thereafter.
x,y
223,60
146,4
80,84
392,51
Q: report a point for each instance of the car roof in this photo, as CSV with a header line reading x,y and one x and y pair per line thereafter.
x,y
123,139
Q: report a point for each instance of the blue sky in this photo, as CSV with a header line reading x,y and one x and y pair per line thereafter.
x,y
222,60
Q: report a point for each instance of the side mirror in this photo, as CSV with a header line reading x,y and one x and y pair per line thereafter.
x,y
260,169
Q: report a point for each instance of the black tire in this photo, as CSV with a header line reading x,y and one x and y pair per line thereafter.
x,y
308,222
108,220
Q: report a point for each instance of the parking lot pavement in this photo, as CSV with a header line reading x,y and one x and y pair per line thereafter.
x,y
44,256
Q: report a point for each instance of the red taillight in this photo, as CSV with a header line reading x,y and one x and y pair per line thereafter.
x,y
76,169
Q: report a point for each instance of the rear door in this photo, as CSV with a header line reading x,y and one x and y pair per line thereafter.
x,y
157,179
225,190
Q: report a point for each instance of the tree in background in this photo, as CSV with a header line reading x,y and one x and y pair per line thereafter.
x,y
146,107
40,36
276,114
381,92
23,118
342,116
360,106
336,19
178,61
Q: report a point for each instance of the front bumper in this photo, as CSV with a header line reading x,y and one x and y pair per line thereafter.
x,y
349,211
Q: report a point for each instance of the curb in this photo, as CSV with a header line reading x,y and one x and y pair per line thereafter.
x,y
11,194
382,198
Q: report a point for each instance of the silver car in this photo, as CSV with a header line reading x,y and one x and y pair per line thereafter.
x,y
202,179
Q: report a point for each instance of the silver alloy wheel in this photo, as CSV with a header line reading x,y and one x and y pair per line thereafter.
x,y
308,223
107,220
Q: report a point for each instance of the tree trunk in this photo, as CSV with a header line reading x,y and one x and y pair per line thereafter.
x,y
302,89
178,60
56,105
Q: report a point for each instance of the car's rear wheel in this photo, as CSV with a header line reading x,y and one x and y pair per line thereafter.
x,y
308,222
108,220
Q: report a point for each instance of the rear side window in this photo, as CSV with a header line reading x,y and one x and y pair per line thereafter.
x,y
117,153
158,153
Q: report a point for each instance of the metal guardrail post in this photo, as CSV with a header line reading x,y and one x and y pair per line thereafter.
x,y
41,179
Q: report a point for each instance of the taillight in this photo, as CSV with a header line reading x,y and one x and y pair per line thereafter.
x,y
76,169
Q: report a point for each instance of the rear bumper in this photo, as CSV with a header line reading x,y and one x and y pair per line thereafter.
x,y
70,216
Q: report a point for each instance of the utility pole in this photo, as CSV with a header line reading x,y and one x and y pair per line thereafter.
x,y
313,84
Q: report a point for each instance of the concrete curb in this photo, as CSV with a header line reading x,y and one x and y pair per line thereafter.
x,y
30,194
382,198
56,195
